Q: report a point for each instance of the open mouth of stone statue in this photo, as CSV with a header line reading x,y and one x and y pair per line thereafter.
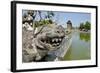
x,y
54,41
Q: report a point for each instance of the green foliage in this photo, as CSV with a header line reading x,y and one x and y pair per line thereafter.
x,y
85,36
47,19
85,26
49,15
81,26
43,22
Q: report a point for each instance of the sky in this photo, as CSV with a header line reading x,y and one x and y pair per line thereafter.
x,y
61,18
76,18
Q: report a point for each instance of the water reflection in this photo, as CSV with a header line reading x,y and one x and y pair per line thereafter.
x,y
85,36
80,48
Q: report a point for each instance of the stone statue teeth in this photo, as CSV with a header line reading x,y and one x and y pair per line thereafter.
x,y
54,44
59,39
57,44
56,39
53,40
45,42
41,42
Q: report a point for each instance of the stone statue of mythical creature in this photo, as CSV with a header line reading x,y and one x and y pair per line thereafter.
x,y
46,38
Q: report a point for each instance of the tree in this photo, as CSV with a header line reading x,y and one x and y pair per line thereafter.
x,y
30,16
49,15
87,25
81,26
40,15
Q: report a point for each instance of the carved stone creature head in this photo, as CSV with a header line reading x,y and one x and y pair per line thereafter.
x,y
46,38
49,37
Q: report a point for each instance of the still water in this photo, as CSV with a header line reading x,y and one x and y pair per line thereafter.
x,y
80,47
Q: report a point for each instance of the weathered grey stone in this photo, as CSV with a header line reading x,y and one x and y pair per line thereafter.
x,y
47,38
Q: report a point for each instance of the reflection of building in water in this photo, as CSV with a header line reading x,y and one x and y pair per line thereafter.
x,y
69,26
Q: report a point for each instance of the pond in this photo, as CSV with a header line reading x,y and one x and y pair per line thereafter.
x,y
80,47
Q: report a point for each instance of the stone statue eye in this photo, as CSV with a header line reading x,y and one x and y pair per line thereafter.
x,y
58,31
